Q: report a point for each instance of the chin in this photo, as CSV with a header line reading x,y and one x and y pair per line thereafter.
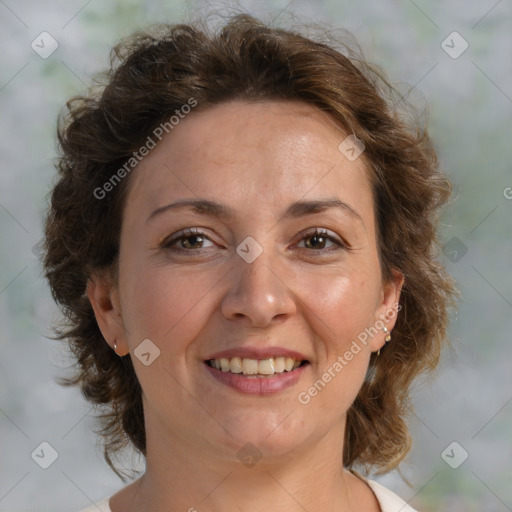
x,y
263,434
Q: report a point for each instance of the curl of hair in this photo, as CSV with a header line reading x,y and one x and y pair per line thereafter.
x,y
152,75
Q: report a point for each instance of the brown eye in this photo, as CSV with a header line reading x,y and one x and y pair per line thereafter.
x,y
319,240
191,241
316,242
187,241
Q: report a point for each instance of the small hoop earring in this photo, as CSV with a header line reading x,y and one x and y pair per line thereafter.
x,y
387,338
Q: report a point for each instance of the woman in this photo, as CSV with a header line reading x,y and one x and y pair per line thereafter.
x,y
243,240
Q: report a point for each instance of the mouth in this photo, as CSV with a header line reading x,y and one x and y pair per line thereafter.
x,y
256,368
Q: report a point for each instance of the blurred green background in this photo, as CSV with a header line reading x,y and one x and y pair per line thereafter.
x,y
470,103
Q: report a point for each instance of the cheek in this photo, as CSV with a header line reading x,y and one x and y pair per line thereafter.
x,y
166,305
338,310
342,306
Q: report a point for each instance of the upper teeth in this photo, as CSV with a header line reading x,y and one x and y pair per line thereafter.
x,y
255,366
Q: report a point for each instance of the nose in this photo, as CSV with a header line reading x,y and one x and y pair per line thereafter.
x,y
258,293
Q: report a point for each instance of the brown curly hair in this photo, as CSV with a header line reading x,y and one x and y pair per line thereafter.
x,y
152,75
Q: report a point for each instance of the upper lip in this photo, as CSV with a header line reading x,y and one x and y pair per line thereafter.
x,y
257,353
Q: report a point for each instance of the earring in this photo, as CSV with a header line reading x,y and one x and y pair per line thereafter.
x,y
387,338
115,346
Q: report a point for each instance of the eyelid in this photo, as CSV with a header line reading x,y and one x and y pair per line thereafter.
x,y
325,233
184,233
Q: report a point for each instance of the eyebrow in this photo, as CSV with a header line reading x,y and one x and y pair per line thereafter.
x,y
295,210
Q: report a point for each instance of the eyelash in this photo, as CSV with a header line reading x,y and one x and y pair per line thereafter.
x,y
169,244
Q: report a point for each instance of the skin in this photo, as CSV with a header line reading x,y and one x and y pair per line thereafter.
x,y
303,293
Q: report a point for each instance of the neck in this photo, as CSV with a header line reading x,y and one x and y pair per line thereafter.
x,y
182,476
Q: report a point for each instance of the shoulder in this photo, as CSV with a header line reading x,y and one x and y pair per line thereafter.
x,y
388,500
101,506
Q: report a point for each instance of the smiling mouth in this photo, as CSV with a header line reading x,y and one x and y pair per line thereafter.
x,y
256,367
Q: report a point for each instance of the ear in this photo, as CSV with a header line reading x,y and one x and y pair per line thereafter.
x,y
103,295
388,309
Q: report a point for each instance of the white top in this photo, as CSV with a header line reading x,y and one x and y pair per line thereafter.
x,y
388,501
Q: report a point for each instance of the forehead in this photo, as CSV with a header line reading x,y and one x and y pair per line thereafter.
x,y
251,153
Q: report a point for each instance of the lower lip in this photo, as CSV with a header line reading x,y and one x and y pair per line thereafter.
x,y
258,385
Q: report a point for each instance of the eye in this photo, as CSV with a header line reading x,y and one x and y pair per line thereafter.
x,y
318,239
187,240
193,239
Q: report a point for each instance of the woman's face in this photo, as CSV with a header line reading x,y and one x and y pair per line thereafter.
x,y
281,262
